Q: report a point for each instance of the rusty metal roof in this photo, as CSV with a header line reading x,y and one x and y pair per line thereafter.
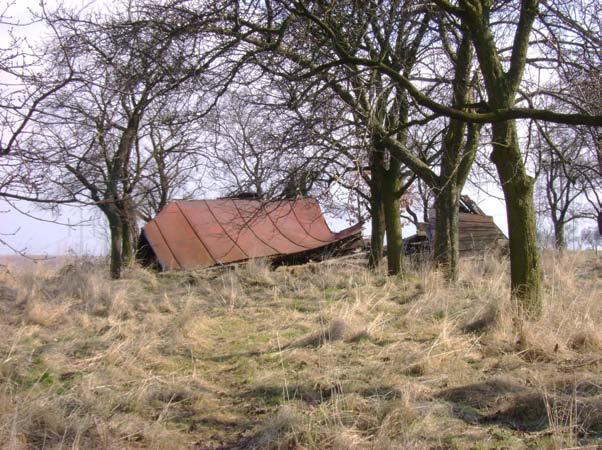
x,y
201,233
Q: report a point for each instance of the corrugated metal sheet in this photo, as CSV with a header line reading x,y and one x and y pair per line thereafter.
x,y
202,233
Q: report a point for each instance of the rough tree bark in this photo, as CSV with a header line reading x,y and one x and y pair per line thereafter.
x,y
559,239
116,231
457,155
502,86
391,203
377,213
446,248
129,231
525,272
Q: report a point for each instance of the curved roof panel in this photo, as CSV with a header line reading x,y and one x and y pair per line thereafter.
x,y
201,233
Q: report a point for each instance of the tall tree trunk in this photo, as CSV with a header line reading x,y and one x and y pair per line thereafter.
x,y
377,213
391,203
518,191
458,156
502,86
116,231
559,240
129,233
127,243
447,247
458,153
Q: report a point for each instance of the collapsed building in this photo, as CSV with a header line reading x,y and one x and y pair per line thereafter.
x,y
477,231
191,234
202,233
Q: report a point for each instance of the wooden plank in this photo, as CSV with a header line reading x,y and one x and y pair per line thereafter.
x,y
478,240
433,214
479,233
471,204
467,218
491,237
475,245
485,245
477,227
493,233
476,231
468,225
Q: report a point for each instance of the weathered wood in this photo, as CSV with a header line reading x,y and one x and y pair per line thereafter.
x,y
467,218
478,245
478,238
473,218
477,226
477,232
481,233
468,202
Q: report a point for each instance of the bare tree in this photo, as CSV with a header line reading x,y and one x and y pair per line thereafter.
x,y
562,172
21,94
109,129
305,53
268,146
346,39
175,142
573,48
22,98
251,148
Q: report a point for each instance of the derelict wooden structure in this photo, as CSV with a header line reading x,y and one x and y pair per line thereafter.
x,y
477,231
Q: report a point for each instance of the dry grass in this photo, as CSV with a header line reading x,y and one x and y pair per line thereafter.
x,y
318,356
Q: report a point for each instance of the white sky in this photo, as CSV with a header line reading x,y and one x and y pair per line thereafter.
x,y
47,238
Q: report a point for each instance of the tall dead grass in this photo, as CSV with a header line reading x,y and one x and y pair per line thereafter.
x,y
325,355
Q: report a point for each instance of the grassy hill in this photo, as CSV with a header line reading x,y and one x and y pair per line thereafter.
x,y
318,356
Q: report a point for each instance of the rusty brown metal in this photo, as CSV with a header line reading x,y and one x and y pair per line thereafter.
x,y
202,233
